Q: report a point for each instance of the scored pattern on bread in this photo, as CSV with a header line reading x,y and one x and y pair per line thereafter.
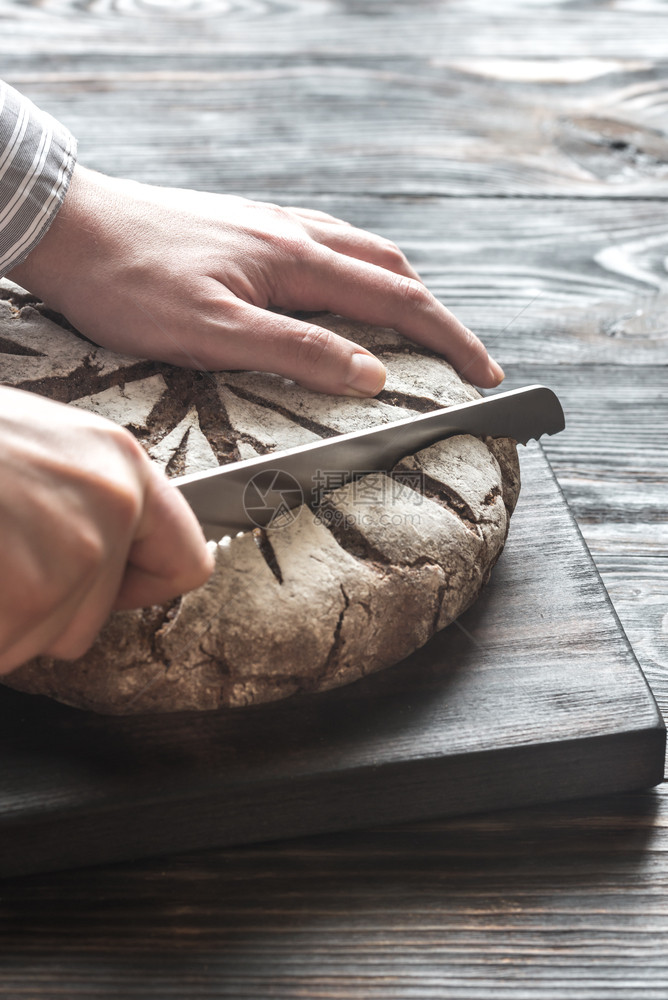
x,y
333,595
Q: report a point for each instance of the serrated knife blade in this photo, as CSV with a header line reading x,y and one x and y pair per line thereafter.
x,y
260,492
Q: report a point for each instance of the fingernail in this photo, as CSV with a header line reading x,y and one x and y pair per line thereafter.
x,y
496,371
366,375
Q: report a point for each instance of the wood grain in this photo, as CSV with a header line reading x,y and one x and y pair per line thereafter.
x,y
566,902
545,904
612,463
294,128
535,29
612,459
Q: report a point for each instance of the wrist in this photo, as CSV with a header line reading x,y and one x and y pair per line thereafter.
x,y
68,244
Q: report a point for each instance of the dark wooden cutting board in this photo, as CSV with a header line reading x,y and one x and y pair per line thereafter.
x,y
534,696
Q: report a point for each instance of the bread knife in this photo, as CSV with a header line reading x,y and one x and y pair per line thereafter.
x,y
262,491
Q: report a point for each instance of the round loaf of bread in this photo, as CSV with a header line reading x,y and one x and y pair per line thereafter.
x,y
321,598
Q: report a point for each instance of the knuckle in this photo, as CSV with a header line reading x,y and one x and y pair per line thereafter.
x,y
124,440
314,345
392,252
125,504
277,210
283,233
472,342
468,339
120,490
413,293
293,246
87,551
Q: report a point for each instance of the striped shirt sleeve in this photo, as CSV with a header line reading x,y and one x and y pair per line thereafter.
x,y
37,157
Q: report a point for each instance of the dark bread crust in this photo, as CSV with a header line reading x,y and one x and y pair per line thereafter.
x,y
319,602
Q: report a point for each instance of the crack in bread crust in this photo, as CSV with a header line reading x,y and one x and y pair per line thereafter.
x,y
336,594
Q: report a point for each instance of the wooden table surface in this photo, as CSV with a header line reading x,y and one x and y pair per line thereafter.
x,y
518,151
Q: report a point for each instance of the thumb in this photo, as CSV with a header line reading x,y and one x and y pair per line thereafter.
x,y
168,555
311,355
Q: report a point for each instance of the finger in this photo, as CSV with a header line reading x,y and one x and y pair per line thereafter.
x,y
359,244
372,294
314,214
44,637
70,626
85,617
311,355
66,584
169,555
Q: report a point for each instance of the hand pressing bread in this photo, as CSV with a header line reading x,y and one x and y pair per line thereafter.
x,y
187,277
